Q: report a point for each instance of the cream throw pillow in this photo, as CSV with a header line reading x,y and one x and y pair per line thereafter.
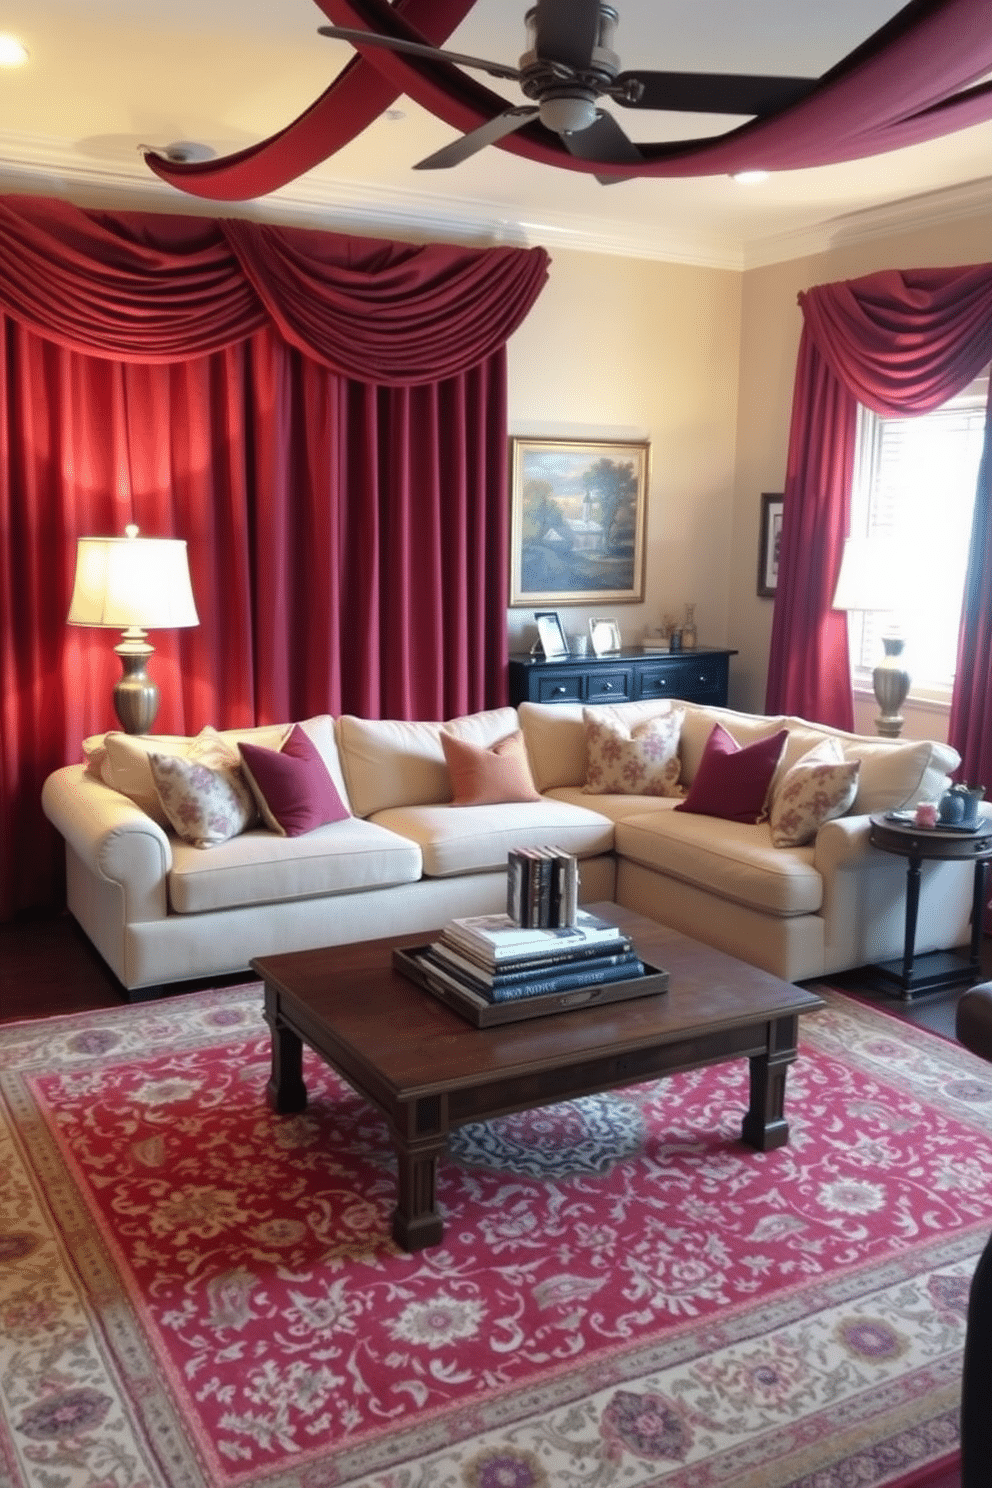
x,y
820,786
639,761
204,805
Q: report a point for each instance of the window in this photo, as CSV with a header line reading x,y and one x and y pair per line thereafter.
x,y
915,481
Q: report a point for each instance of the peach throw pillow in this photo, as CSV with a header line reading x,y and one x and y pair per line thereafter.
x,y
488,777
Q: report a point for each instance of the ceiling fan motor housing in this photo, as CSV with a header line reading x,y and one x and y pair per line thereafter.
x,y
567,94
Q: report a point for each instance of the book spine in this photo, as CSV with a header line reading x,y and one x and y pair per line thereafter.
x,y
564,981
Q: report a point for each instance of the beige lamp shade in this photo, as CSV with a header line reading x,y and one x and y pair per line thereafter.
x,y
875,574
133,584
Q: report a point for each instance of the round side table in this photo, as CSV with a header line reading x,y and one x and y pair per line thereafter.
x,y
919,845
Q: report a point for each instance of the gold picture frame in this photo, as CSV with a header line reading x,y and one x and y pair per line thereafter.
x,y
577,521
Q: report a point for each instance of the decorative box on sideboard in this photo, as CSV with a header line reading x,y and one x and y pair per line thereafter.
x,y
631,675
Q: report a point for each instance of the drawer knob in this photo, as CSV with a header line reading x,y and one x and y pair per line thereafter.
x,y
607,686
560,689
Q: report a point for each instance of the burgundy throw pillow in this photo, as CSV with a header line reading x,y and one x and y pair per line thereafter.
x,y
732,782
293,789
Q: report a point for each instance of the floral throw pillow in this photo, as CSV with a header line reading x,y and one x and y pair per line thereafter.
x,y
820,786
641,761
203,794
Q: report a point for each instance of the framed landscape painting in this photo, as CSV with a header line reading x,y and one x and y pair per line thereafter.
x,y
577,521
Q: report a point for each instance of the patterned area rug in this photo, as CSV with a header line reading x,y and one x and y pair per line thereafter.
x,y
195,1293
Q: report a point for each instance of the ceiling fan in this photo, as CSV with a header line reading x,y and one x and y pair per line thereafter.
x,y
568,65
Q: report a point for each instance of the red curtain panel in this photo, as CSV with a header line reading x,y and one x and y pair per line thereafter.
x,y
342,489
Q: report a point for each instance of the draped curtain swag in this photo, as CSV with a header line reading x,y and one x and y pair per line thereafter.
x,y
900,343
322,418
921,75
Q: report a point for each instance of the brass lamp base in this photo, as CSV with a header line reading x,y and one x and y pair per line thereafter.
x,y
136,696
891,684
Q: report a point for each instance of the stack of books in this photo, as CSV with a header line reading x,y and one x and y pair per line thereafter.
x,y
542,886
494,970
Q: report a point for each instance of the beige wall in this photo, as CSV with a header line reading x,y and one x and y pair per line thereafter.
x,y
770,328
700,362
630,349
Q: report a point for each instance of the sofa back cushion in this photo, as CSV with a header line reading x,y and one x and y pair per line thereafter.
x,y
388,762
896,773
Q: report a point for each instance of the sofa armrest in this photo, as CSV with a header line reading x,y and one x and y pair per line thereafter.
x,y
842,844
112,838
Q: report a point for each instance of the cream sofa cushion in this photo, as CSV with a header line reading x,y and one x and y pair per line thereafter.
x,y
734,860
896,773
478,838
261,868
388,762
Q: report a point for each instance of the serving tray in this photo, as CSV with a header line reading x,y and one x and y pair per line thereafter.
x,y
409,960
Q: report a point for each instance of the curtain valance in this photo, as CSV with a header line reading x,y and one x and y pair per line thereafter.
x,y
141,288
904,342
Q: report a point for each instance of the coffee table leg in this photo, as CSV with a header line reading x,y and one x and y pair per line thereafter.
x,y
765,1126
285,1091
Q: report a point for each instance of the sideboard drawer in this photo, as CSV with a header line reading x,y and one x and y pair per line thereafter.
x,y
559,687
613,686
697,679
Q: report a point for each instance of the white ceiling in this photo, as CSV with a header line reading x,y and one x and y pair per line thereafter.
x,y
109,75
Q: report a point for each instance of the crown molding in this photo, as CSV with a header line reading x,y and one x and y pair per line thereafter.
x,y
40,166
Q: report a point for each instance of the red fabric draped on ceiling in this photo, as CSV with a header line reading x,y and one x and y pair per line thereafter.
x,y
901,343
919,76
322,418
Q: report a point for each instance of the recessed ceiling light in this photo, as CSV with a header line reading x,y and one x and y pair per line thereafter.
x,y
12,52
750,177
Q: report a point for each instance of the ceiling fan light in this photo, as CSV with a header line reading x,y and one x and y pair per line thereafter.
x,y
568,113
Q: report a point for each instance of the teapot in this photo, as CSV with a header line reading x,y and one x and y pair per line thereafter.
x,y
958,807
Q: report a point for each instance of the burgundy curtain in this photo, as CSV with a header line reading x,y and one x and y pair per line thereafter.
x,y
900,343
322,418
970,727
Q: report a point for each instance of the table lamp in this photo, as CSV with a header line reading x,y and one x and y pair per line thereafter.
x,y
133,584
873,578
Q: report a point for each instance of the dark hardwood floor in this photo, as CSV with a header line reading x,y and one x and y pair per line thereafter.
x,y
48,966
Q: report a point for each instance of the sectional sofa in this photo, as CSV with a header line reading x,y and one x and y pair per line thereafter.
x,y
403,858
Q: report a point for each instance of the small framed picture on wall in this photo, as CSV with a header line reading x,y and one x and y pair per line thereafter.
x,y
770,542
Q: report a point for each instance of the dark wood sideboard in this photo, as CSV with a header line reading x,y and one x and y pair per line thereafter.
x,y
631,675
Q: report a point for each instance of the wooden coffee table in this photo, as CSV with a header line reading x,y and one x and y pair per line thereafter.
x,y
429,1070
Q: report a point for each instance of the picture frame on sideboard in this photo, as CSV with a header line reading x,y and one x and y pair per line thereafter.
x,y
551,634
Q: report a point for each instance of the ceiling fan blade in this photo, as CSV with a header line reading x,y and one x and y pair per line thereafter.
x,y
417,49
477,139
566,31
604,141
711,92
